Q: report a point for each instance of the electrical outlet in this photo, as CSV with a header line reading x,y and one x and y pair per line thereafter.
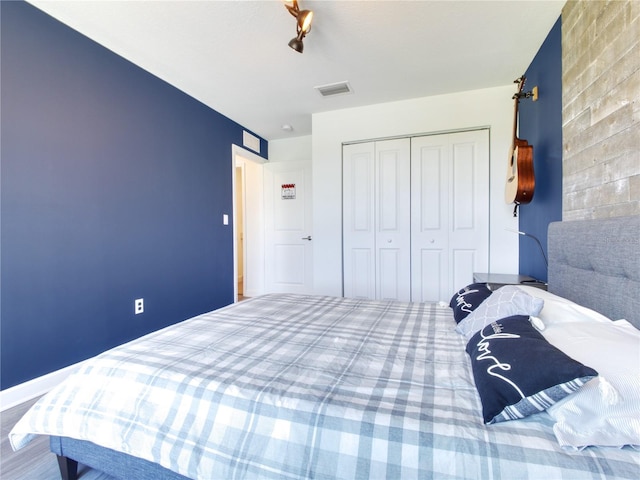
x,y
138,306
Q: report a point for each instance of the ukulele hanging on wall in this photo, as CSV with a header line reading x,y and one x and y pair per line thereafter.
x,y
520,177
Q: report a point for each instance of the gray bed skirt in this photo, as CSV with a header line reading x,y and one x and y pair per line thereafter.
x,y
119,465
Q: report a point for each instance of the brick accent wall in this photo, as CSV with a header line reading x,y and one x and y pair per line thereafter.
x,y
601,108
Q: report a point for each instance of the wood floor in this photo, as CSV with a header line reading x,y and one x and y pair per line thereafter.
x,y
35,461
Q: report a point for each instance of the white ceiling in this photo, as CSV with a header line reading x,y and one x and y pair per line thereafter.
x,y
233,55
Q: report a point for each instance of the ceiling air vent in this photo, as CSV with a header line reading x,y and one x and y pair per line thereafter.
x,y
332,89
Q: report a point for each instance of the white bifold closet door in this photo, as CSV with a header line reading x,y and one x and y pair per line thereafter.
x,y
376,220
415,215
450,212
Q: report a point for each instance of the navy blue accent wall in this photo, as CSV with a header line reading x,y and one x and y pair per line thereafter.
x,y
114,184
541,125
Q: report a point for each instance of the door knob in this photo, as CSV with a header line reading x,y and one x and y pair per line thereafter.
x,y
308,237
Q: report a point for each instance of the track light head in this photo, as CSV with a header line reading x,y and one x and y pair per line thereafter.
x,y
296,44
303,25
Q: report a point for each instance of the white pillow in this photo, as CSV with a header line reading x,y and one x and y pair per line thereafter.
x,y
504,302
558,309
606,411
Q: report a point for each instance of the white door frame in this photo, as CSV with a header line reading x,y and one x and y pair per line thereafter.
x,y
255,244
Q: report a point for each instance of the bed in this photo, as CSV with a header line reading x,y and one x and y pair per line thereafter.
x,y
304,386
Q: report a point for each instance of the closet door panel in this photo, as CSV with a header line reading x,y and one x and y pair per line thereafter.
x,y
393,220
429,171
462,186
362,284
388,196
464,261
469,230
431,263
361,194
430,167
450,211
358,221
390,281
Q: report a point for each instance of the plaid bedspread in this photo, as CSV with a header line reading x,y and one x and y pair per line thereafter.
x,y
291,387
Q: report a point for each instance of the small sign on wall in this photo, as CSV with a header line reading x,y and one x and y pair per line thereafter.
x,y
288,191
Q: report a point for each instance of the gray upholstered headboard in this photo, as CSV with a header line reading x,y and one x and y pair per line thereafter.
x,y
596,263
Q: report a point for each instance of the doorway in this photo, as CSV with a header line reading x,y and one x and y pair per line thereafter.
x,y
239,229
248,223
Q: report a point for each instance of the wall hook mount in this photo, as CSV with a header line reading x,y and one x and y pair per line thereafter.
x,y
532,94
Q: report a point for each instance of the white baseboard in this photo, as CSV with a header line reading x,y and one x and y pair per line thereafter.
x,y
252,293
23,392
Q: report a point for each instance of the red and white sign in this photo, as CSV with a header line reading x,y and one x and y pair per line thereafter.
x,y
288,191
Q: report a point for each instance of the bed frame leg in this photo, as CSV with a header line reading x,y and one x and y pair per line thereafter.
x,y
68,468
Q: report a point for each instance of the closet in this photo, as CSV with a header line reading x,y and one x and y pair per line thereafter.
x,y
415,215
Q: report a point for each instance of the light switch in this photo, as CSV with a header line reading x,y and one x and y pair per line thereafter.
x,y
225,219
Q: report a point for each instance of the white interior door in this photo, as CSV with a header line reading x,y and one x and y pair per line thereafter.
x,y
288,235
376,220
450,212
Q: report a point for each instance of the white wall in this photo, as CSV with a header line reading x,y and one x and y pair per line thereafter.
x,y
290,149
491,108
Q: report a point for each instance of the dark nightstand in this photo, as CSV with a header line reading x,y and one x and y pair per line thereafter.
x,y
497,280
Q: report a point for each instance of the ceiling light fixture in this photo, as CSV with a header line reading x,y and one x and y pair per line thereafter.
x,y
303,25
